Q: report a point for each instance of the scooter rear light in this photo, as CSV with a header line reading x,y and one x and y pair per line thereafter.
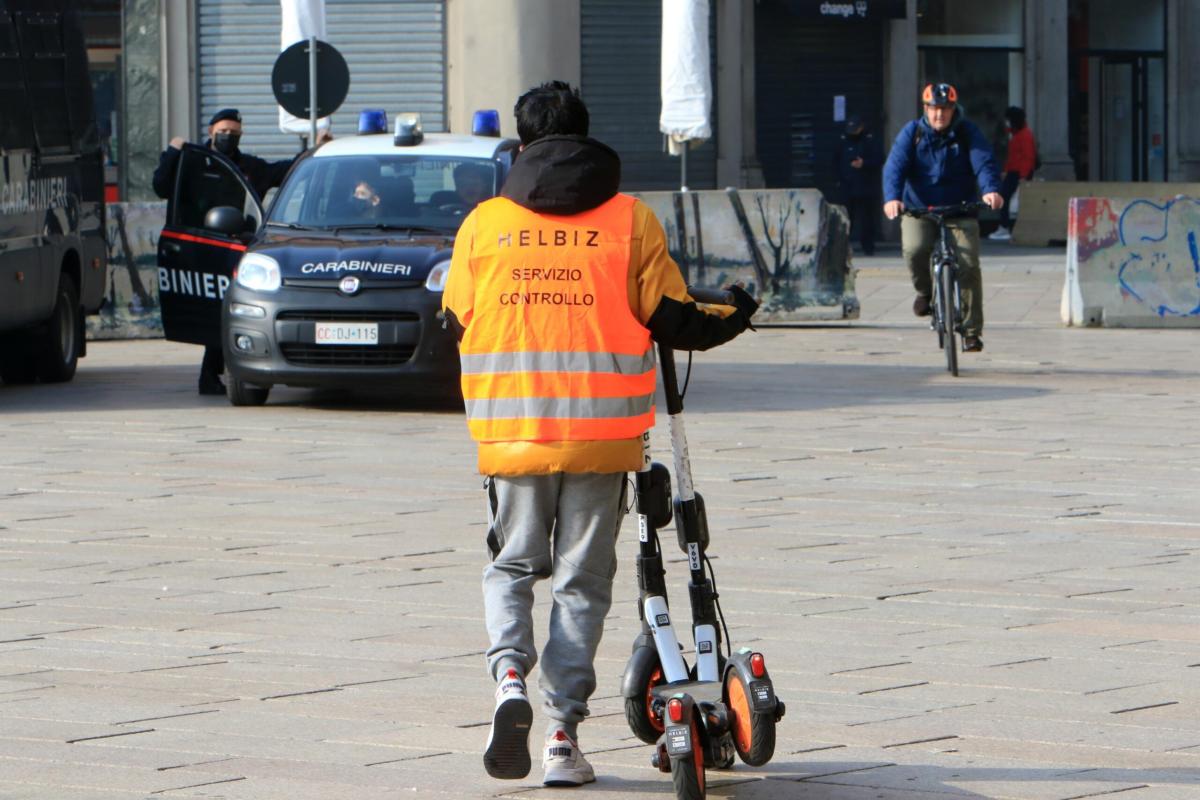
x,y
675,709
758,665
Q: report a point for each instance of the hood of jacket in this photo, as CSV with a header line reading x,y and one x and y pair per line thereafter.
x,y
563,175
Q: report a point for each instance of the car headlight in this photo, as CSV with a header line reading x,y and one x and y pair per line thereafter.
x,y
258,272
436,282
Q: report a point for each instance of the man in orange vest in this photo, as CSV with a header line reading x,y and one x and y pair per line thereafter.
x,y
556,289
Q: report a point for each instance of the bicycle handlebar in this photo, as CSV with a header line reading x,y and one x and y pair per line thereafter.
x,y
947,211
717,297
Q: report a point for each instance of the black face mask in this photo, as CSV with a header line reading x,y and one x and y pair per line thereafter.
x,y
226,143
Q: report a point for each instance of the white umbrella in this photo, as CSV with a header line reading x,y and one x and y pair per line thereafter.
x,y
302,19
686,82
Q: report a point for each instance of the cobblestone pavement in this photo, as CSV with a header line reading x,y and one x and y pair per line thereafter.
x,y
982,587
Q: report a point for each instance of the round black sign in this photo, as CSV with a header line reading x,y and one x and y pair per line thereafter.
x,y
289,79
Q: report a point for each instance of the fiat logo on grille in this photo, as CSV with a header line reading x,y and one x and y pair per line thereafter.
x,y
349,284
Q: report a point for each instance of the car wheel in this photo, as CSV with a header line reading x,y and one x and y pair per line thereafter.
x,y
245,394
58,349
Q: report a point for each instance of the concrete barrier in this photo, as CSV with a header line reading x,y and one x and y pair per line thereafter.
x,y
131,299
1042,217
789,247
1132,263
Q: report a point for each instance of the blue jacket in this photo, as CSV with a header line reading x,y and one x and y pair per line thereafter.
x,y
942,169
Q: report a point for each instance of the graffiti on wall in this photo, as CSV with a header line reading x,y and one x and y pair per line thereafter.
x,y
788,247
1136,257
131,298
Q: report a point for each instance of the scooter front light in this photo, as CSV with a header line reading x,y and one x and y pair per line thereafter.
x,y
675,709
758,665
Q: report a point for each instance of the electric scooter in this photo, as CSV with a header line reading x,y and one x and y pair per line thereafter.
x,y
725,703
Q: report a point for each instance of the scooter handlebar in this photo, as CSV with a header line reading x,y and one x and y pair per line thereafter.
x,y
718,297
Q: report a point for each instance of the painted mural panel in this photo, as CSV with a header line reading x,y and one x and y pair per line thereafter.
x,y
131,298
789,247
1133,262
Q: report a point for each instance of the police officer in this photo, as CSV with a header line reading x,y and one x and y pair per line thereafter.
x,y
224,133
556,289
858,158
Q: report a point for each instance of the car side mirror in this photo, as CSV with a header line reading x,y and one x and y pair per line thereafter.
x,y
225,220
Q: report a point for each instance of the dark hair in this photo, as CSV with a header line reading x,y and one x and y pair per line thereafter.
x,y
1015,116
552,109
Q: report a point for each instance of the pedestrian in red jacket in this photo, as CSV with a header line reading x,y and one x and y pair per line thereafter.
x,y
1019,166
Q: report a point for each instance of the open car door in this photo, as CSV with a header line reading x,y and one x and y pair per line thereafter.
x,y
196,262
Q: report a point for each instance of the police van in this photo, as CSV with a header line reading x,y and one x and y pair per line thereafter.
x,y
339,284
53,258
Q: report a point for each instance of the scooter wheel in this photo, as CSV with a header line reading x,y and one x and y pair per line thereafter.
x,y
753,732
687,773
639,711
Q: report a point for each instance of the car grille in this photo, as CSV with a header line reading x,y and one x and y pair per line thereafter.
x,y
348,316
347,355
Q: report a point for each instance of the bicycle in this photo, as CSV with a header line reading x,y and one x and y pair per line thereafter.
x,y
946,319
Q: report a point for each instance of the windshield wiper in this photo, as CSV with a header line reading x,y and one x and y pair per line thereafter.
x,y
383,226
296,226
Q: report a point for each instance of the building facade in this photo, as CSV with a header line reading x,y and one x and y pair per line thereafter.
x,y
1109,90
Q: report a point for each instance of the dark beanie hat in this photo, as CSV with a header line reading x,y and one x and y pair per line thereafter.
x,y
226,113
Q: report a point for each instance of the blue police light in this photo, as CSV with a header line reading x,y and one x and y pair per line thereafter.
x,y
486,122
372,120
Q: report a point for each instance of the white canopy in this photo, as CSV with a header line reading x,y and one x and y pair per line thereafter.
x,y
301,19
686,82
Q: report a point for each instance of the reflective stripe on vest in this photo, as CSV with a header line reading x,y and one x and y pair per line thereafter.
x,y
553,351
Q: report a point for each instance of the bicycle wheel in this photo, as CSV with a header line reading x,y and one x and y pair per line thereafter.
x,y
753,732
949,318
639,712
687,774
935,303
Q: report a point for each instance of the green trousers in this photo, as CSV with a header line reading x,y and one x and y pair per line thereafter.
x,y
918,236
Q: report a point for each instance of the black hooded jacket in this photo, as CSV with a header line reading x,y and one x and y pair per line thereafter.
x,y
262,175
565,175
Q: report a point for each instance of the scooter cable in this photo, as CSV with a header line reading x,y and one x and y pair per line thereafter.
x,y
712,576
687,376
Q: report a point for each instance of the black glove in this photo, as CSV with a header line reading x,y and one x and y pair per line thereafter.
x,y
745,304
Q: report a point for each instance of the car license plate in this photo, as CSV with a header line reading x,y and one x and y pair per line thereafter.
x,y
347,333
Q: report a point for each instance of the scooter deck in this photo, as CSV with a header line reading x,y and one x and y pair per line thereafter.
x,y
700,691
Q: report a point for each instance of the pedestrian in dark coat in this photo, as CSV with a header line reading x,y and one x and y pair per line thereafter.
x,y
224,132
858,158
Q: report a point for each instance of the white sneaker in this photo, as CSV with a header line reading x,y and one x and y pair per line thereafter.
x,y
564,762
1000,235
507,753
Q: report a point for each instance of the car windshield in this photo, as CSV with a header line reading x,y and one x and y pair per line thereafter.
x,y
402,191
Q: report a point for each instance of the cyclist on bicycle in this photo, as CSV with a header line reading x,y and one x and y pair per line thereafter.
x,y
938,160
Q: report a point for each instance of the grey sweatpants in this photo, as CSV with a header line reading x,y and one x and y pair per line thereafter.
x,y
563,527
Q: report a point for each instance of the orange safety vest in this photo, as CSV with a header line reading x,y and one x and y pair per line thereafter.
x,y
553,351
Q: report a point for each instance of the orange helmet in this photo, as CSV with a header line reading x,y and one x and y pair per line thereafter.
x,y
939,94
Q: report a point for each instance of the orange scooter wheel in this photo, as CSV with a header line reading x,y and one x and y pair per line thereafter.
x,y
753,732
687,774
639,710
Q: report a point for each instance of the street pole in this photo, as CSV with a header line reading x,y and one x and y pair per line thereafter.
x,y
312,88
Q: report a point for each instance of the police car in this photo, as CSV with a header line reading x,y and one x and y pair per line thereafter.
x,y
341,283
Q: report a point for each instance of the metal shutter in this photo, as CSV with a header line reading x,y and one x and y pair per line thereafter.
x,y
622,42
395,50
801,63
